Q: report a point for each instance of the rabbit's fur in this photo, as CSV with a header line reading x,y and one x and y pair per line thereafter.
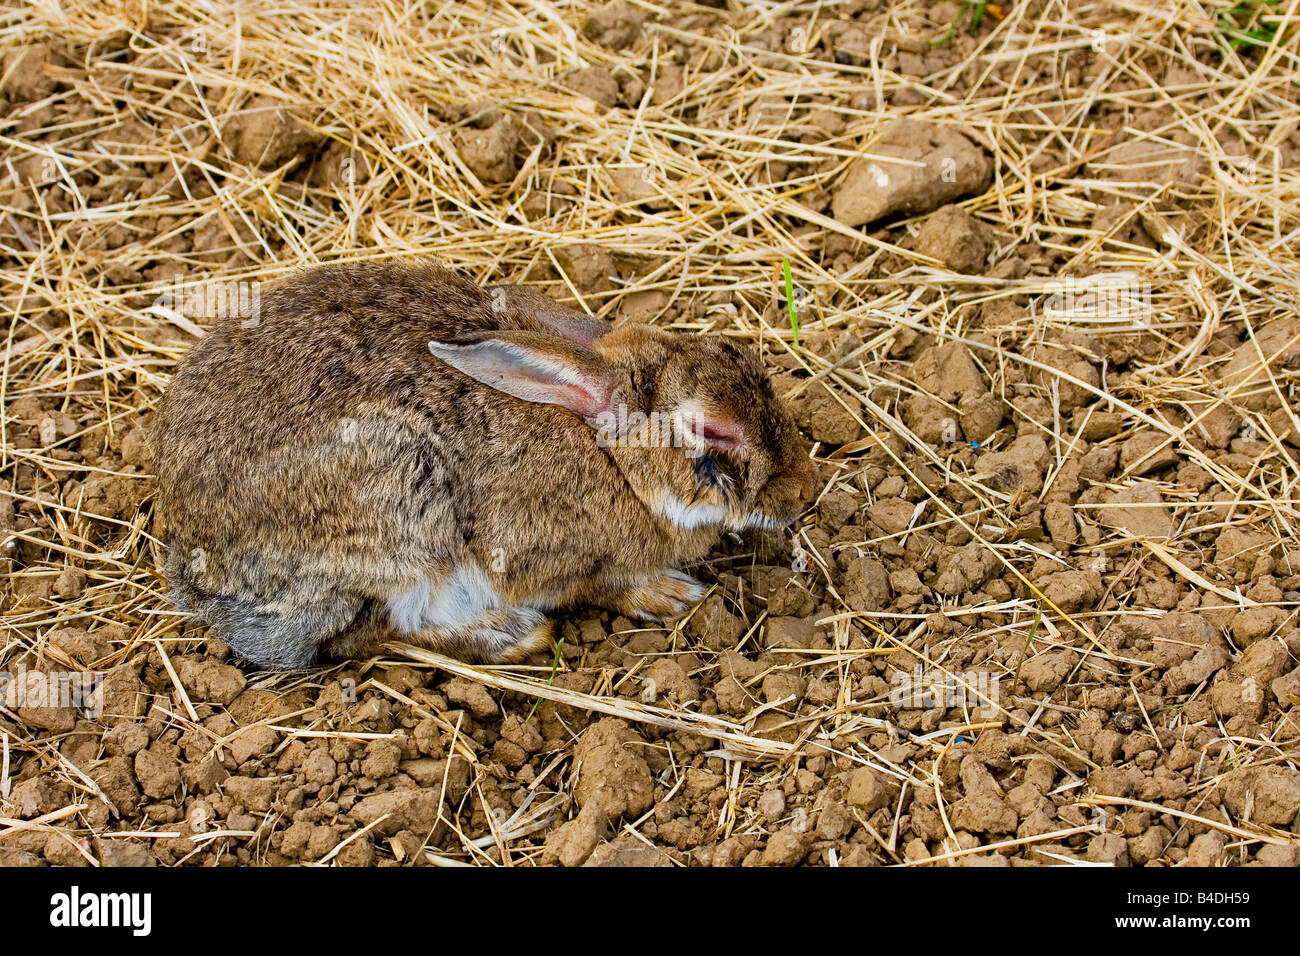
x,y
389,450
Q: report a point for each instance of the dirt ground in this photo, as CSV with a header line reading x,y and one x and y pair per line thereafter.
x,y
1044,608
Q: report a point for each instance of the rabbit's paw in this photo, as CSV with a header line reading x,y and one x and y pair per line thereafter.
x,y
522,631
497,636
663,597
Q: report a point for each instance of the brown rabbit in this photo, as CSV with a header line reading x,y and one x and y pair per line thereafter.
x,y
388,450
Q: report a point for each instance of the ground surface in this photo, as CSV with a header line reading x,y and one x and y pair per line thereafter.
x,y
1056,425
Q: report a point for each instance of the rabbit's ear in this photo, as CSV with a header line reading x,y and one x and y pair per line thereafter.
x,y
535,367
568,323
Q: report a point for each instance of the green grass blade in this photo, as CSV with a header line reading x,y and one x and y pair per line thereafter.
x,y
789,300
555,666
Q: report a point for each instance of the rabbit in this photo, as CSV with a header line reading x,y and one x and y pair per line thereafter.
x,y
389,451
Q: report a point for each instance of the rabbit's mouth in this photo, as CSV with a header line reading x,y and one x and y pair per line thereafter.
x,y
784,497
710,476
756,519
713,482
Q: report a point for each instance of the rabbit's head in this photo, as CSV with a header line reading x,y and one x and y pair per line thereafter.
x,y
692,421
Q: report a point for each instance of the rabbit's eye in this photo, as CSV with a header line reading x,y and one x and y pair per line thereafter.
x,y
706,469
709,474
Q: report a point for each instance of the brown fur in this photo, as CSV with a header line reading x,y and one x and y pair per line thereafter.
x,y
318,461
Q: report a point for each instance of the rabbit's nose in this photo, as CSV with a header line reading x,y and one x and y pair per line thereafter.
x,y
808,478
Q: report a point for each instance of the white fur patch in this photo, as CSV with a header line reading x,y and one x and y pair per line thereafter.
x,y
455,601
699,515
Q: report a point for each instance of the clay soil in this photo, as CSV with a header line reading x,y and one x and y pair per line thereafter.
x,y
1043,610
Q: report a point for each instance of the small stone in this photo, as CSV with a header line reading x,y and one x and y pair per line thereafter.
x,y
956,238
211,681
1147,452
381,759
572,843
1108,848
1268,795
789,632
866,790
267,133
490,153
626,850
158,770
615,26
587,266
772,805
471,694
786,847
1044,672
611,771
1207,849
943,165
1138,510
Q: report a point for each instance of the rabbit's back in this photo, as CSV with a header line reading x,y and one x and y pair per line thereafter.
x,y
319,345
322,440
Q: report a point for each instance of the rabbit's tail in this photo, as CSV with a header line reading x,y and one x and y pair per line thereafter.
x,y
277,640
281,631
